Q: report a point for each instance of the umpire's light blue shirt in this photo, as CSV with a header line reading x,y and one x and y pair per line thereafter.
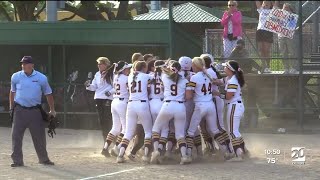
x,y
29,89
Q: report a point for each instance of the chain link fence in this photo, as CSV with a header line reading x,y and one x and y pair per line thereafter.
x,y
213,44
277,83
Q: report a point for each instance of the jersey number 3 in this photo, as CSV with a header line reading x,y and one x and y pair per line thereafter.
x,y
205,90
134,85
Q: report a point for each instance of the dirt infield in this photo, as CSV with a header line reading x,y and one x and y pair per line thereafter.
x,y
77,156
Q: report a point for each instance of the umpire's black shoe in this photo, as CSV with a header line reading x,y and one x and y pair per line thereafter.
x,y
17,164
47,163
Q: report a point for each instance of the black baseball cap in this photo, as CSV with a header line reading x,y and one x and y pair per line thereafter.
x,y
26,60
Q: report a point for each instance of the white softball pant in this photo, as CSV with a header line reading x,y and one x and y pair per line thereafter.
x,y
118,110
207,111
219,104
155,107
189,112
171,110
138,110
235,112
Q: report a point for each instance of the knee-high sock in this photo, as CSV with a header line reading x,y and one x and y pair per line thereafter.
x,y
110,138
123,146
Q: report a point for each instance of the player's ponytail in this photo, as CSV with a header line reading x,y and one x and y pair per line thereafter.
x,y
175,68
158,64
139,65
238,72
150,66
108,73
217,72
173,71
208,63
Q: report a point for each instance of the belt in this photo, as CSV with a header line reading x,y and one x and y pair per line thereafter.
x,y
156,98
24,107
121,99
236,101
175,101
138,100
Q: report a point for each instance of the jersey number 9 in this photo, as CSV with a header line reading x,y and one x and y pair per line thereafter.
x,y
134,85
205,90
174,90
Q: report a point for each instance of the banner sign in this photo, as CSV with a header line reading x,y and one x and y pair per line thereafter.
x,y
281,22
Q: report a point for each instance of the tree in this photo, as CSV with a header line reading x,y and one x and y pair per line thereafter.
x,y
92,10
26,9
88,10
6,11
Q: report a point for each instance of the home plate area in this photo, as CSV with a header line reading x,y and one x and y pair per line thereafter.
x,y
76,154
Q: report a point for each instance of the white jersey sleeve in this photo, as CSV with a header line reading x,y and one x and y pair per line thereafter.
x,y
120,84
233,86
138,88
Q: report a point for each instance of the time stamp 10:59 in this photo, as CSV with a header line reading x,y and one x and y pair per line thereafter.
x,y
272,155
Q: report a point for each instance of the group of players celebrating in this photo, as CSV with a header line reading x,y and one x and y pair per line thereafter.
x,y
176,102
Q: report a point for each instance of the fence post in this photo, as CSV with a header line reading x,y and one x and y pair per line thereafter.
x,y
64,85
300,58
315,29
171,45
207,42
50,64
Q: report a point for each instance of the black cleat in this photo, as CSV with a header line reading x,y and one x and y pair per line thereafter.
x,y
17,165
47,163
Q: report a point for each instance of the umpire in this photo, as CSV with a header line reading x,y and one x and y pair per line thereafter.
x,y
27,87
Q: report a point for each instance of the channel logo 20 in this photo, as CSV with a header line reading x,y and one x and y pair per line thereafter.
x,y
297,155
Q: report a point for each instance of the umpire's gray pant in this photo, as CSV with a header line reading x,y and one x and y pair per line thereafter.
x,y
32,119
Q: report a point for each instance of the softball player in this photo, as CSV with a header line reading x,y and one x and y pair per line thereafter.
x,y
204,106
171,141
219,104
186,65
156,89
173,108
137,108
235,107
119,103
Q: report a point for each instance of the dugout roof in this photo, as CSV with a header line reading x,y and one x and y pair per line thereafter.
x,y
190,13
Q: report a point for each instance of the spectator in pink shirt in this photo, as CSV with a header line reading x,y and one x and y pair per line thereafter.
x,y
232,29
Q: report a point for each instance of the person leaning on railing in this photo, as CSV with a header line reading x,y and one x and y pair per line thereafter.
x,y
287,48
241,55
232,29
